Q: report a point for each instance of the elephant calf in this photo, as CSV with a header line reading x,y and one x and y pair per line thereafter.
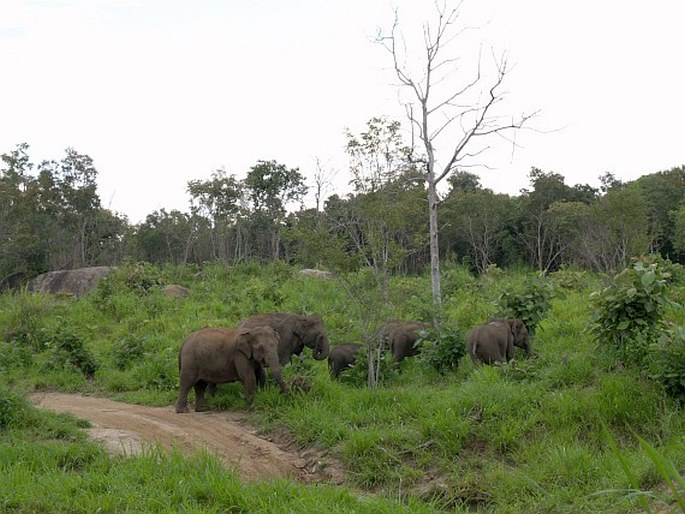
x,y
400,337
494,342
217,355
342,357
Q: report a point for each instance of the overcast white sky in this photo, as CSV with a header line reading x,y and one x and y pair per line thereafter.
x,y
160,92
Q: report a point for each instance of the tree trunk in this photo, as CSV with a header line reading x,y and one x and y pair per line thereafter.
x,y
434,244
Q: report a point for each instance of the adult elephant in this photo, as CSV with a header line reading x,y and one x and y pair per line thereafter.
x,y
342,357
217,355
401,336
494,342
295,333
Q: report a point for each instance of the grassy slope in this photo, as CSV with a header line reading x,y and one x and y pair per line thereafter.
x,y
523,438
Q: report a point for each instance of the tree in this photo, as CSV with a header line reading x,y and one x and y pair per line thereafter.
x,y
617,229
219,201
478,224
271,187
537,232
454,114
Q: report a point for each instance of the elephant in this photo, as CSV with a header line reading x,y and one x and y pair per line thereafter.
x,y
295,333
401,336
217,355
494,342
342,357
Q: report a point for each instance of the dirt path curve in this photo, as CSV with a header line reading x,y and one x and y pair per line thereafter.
x,y
127,428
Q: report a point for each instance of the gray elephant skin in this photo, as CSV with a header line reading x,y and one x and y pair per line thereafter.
x,y
295,333
342,357
218,355
401,336
494,342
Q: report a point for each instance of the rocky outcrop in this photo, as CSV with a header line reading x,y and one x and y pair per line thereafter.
x,y
78,282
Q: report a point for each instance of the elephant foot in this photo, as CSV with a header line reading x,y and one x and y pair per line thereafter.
x,y
201,408
181,409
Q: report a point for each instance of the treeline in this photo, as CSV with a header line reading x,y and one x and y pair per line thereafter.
x,y
51,217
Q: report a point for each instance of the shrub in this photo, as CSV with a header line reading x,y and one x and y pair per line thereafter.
x,y
358,374
629,310
127,350
529,305
68,348
441,349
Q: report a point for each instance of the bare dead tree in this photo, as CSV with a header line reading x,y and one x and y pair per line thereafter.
x,y
323,180
448,106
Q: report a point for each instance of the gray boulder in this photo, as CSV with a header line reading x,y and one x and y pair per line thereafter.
x,y
78,282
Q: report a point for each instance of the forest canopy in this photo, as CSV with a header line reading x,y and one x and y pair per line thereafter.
x,y
51,217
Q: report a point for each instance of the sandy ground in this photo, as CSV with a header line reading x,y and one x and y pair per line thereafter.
x,y
125,428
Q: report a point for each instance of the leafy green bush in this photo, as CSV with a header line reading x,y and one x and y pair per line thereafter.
x,y
441,349
629,310
68,348
529,304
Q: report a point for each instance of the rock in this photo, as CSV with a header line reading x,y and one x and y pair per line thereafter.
x,y
176,291
316,273
78,282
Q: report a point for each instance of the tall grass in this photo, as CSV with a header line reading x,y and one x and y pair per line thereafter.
x,y
523,437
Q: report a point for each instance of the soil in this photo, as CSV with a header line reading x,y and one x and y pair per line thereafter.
x,y
127,429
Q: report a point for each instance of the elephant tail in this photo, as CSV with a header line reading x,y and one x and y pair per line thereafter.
x,y
473,349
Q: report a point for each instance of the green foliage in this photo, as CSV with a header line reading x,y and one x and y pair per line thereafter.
x,y
126,351
12,408
358,374
441,349
629,310
518,438
665,468
529,302
67,348
24,320
667,365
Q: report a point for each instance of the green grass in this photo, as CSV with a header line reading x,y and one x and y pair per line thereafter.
x,y
524,437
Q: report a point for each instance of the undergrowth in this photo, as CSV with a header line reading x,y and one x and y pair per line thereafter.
x,y
438,434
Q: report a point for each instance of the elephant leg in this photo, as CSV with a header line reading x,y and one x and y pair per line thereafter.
x,y
200,404
211,389
182,403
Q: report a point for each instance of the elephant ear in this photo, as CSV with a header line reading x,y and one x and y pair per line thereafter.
x,y
244,344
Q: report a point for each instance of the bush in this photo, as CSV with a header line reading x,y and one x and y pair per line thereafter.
x,y
530,305
68,349
441,349
629,310
127,350
358,374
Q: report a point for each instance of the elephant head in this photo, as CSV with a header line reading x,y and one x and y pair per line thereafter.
x,y
260,345
312,334
520,333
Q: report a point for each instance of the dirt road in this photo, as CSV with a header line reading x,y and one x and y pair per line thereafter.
x,y
126,428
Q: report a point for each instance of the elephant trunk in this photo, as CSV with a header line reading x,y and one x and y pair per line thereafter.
x,y
273,364
321,348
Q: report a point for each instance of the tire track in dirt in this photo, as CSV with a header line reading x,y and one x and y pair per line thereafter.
x,y
127,428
